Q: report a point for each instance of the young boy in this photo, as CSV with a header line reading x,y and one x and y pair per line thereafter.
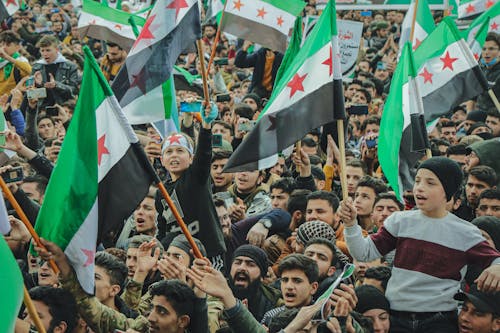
x,y
433,248
190,190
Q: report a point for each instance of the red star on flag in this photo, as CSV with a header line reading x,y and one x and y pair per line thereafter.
x,y
261,12
329,62
476,56
494,26
489,3
417,44
296,84
146,31
448,61
426,75
118,26
470,9
139,81
90,257
280,21
174,139
177,5
11,2
101,148
238,5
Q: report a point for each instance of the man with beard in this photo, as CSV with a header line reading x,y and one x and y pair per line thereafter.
x,y
248,268
112,61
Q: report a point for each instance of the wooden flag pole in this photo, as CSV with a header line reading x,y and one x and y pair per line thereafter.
x,y
203,72
494,99
216,40
25,220
413,20
32,311
343,167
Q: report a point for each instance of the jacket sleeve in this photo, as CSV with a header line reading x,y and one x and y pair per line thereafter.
x,y
243,60
42,165
67,90
23,66
30,207
261,203
17,120
202,156
241,320
31,137
199,322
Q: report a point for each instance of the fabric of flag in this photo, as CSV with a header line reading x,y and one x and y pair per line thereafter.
x,y
5,154
265,22
12,6
172,27
447,75
215,8
291,51
11,288
493,15
476,45
472,8
4,13
186,81
102,22
99,178
306,97
4,219
424,24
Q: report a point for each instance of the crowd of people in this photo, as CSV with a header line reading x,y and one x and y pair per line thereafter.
x,y
273,241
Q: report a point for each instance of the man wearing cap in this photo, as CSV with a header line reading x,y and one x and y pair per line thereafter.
x,y
248,268
484,153
480,312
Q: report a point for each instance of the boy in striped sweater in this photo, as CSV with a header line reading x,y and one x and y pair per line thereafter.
x,y
433,248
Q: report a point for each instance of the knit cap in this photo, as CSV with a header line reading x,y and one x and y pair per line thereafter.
x,y
315,229
182,243
477,115
255,97
448,172
370,298
256,254
491,225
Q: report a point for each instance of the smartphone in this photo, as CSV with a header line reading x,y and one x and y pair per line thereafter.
x,y
52,111
30,81
358,109
221,61
247,127
191,107
13,175
381,65
216,140
36,93
221,98
371,143
366,13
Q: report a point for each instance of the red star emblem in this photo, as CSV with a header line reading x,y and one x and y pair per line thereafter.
x,y
11,2
296,84
146,31
238,5
261,12
118,26
476,56
177,5
90,257
494,26
174,139
489,3
280,21
101,148
426,75
139,81
329,62
448,61
417,44
470,9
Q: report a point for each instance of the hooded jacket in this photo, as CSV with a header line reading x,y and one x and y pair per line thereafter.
x,y
487,152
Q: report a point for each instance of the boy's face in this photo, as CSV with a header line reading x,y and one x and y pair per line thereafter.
x,y
488,207
145,216
471,320
279,199
296,289
473,188
429,192
164,319
354,174
49,53
364,198
10,48
247,181
176,159
220,179
382,210
104,290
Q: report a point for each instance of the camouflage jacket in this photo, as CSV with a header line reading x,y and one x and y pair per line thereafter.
x,y
99,317
132,295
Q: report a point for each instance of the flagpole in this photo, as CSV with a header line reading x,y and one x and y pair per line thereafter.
x,y
25,220
204,72
217,37
414,18
343,166
30,307
494,98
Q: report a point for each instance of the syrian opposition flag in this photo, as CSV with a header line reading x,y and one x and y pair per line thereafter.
x,y
5,154
102,22
98,179
11,288
307,96
215,7
265,22
424,24
476,45
12,6
472,8
492,15
172,27
446,74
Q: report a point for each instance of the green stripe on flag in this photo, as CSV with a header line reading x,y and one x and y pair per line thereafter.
x,y
110,14
11,288
170,101
292,50
294,7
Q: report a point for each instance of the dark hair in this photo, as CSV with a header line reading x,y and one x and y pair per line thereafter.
x,y
368,83
492,37
9,37
491,193
297,201
317,173
485,174
137,240
111,44
120,254
375,184
180,296
116,269
435,143
446,123
357,163
330,197
371,120
286,184
218,202
356,81
389,196
309,142
61,304
327,243
493,113
315,159
41,182
220,155
379,273
458,149
367,94
244,111
224,124
302,263
40,118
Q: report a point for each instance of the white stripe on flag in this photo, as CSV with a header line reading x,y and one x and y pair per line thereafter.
x,y
4,219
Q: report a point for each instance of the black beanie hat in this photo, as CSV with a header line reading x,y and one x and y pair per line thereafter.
x,y
491,225
370,298
182,243
256,254
256,98
448,171
477,115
